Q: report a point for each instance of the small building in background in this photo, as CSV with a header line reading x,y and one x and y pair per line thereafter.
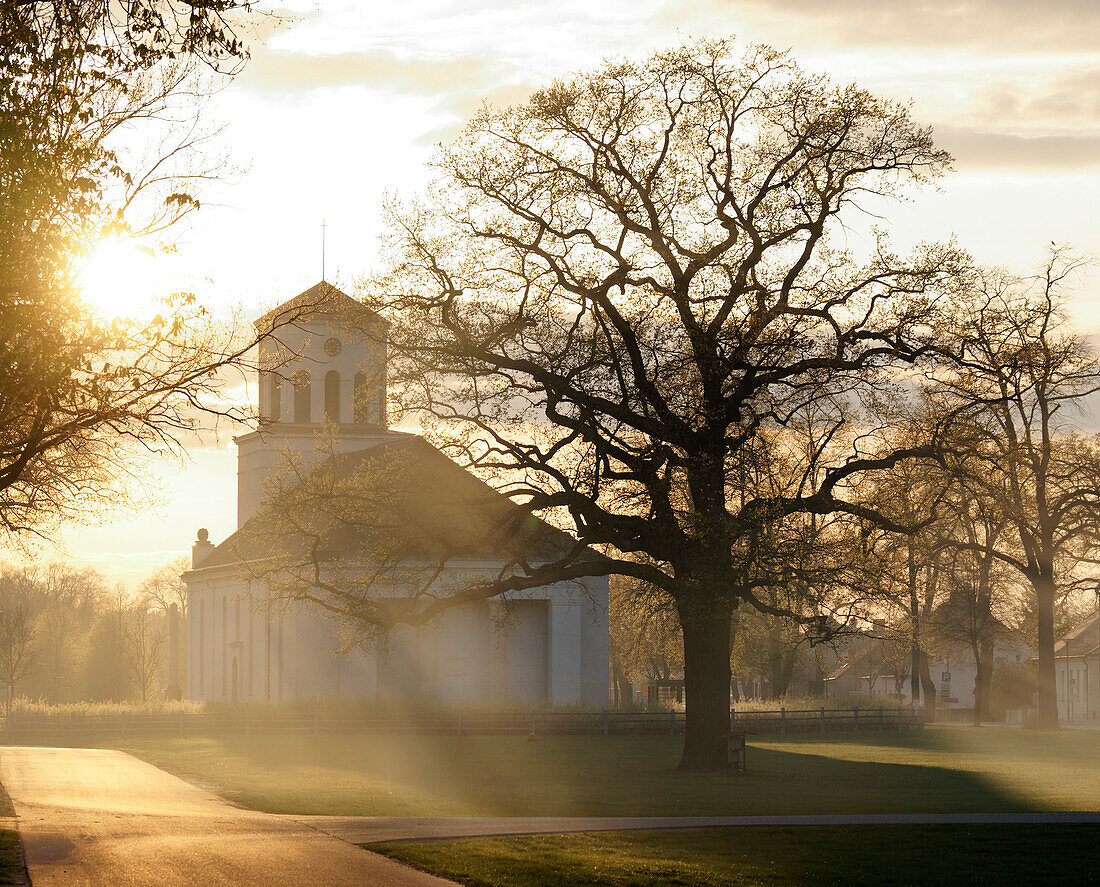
x,y
1077,671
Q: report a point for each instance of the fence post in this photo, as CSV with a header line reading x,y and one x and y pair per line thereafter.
x,y
532,723
782,719
855,719
460,723
823,720
672,722
121,722
899,717
386,722
733,719
181,722
316,723
880,719
605,722
247,723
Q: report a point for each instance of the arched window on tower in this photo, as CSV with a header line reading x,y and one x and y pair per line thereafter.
x,y
332,397
302,412
275,397
362,400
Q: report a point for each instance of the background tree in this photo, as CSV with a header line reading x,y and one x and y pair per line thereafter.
x,y
161,590
1020,372
106,677
620,295
645,637
16,648
142,641
70,599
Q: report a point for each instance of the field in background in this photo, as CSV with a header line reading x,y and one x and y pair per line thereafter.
x,y
23,706
37,727
940,769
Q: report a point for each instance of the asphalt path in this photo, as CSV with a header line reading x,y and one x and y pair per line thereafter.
x,y
386,829
101,817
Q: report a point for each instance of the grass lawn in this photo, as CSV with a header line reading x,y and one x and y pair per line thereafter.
x,y
11,865
876,856
942,769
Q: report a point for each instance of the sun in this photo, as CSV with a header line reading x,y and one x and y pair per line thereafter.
x,y
121,278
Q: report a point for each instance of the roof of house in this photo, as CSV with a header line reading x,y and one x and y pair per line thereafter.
x,y
1082,640
403,497
321,299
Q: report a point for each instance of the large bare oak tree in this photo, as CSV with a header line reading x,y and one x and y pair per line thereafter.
x,y
623,298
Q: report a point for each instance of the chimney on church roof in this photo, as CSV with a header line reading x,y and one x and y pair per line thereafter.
x,y
202,548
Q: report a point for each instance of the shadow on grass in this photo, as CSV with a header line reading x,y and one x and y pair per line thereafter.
x,y
890,856
576,776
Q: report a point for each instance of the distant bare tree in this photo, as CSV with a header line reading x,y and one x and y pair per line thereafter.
x,y
164,589
1019,373
165,586
637,263
142,640
16,648
646,641
70,598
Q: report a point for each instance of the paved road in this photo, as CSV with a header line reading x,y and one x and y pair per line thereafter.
x,y
99,817
378,829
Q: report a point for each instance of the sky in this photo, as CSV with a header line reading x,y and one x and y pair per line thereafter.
x,y
343,102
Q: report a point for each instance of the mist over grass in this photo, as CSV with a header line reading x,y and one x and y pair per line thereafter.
x,y
937,770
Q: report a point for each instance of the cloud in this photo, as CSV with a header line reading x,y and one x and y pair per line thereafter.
x,y
1070,99
453,87
996,26
291,72
974,148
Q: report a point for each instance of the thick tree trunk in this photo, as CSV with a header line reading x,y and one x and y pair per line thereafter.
x,y
706,627
983,681
914,629
1047,709
929,690
981,669
624,690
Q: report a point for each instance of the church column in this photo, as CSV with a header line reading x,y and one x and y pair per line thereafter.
x,y
565,652
496,667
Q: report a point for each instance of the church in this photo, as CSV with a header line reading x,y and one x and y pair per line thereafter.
x,y
323,374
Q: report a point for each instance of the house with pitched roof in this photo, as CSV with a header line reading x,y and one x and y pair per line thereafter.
x,y
335,507
1077,671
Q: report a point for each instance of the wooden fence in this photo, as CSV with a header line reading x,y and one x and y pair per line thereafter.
x,y
608,723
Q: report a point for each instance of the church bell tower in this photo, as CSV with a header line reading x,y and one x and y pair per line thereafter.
x,y
322,366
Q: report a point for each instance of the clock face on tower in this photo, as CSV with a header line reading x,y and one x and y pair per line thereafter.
x,y
332,346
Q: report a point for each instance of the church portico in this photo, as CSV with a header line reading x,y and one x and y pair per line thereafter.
x,y
324,380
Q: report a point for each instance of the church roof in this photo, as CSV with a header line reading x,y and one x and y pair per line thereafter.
x,y
403,495
1081,640
321,299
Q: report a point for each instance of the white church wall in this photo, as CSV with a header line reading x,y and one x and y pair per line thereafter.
x,y
260,454
462,640
551,649
527,651
565,652
595,634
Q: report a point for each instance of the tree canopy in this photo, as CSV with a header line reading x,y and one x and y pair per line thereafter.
x,y
623,300
81,84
